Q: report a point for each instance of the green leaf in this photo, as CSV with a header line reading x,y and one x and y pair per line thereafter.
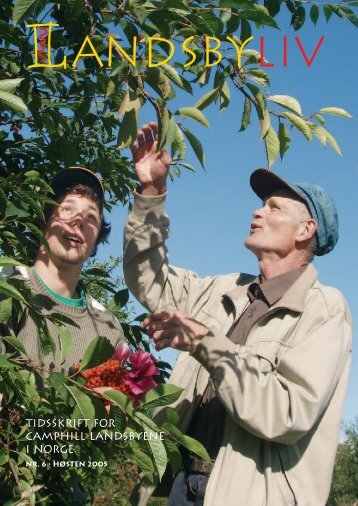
x,y
61,318
332,141
119,417
273,7
246,115
10,291
195,447
163,123
224,95
300,124
259,15
178,143
15,343
196,145
204,76
13,102
314,13
5,309
10,85
251,56
121,297
120,400
350,14
335,110
245,32
235,4
5,363
327,12
319,132
100,350
172,132
155,444
193,113
171,416
128,130
130,102
9,262
21,9
207,99
174,456
261,109
191,444
143,460
159,82
272,144
173,74
320,119
4,457
213,21
69,151
287,102
84,404
161,396
284,137
66,342
298,17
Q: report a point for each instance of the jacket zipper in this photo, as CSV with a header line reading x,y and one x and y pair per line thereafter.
x,y
286,478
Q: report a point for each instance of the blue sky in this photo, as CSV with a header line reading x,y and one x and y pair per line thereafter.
x,y
211,210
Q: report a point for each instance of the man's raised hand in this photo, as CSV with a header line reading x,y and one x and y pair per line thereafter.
x,y
151,165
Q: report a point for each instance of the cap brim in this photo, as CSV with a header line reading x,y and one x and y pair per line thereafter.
x,y
265,183
78,175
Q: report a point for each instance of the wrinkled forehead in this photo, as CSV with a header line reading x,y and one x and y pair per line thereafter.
x,y
286,194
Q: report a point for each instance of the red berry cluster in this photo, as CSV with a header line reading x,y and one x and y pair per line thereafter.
x,y
109,374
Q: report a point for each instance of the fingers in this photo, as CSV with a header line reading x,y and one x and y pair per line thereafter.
x,y
149,134
154,127
146,136
173,337
175,330
157,317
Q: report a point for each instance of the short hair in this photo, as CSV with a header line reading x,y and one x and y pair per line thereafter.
x,y
85,191
312,246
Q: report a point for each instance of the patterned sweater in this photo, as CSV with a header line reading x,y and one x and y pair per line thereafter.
x,y
93,320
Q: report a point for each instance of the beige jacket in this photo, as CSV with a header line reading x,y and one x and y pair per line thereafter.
x,y
282,391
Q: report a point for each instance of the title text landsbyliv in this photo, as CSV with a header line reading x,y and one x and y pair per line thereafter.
x,y
42,50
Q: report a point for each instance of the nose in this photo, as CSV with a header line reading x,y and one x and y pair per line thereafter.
x,y
77,219
258,213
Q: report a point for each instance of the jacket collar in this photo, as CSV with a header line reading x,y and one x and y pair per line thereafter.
x,y
293,298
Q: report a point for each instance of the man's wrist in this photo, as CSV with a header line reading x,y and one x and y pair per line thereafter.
x,y
151,190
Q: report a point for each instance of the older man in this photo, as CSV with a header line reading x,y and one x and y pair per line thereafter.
x,y
265,359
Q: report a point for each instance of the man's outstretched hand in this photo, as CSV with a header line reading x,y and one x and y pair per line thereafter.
x,y
175,330
150,165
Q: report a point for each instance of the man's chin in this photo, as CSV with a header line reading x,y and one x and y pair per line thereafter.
x,y
71,259
251,245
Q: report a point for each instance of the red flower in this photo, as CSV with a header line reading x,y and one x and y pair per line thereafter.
x,y
122,353
140,378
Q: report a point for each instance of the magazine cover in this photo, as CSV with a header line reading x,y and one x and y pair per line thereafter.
x,y
178,246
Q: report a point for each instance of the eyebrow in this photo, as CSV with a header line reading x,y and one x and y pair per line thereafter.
x,y
274,198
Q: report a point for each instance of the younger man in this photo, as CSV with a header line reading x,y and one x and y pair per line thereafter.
x,y
73,230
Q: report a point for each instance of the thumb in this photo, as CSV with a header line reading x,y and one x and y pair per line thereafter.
x,y
165,157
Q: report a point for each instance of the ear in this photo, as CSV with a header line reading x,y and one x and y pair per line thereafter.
x,y
306,230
